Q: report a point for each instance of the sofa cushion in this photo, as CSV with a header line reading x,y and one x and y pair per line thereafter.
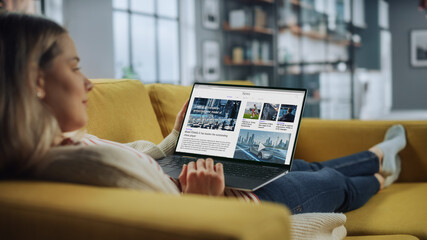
x,y
398,209
120,110
168,99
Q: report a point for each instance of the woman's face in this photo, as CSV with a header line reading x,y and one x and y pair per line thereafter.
x,y
66,87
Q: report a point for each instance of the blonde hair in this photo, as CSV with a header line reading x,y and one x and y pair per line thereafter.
x,y
28,128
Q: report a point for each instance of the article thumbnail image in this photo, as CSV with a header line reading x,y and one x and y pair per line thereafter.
x,y
270,111
262,146
252,110
217,114
287,113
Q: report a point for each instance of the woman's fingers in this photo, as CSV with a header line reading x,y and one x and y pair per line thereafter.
x,y
183,177
209,164
182,112
191,167
201,165
180,117
219,169
203,177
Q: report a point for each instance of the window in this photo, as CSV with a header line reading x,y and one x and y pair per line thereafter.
x,y
146,40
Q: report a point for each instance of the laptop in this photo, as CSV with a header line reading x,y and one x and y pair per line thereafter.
x,y
251,130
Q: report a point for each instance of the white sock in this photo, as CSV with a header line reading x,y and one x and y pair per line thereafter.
x,y
392,178
394,142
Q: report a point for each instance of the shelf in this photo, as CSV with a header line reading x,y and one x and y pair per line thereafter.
x,y
248,30
258,1
345,43
312,100
301,4
311,73
296,30
312,63
245,63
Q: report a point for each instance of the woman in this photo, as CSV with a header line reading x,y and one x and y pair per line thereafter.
x,y
43,103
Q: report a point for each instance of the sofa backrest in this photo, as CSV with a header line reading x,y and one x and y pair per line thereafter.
x,y
121,111
168,99
125,110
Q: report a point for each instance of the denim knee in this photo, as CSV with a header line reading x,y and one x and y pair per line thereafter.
x,y
328,194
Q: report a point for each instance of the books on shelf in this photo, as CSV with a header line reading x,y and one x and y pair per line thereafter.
x,y
237,18
237,56
260,18
265,52
259,79
240,18
253,51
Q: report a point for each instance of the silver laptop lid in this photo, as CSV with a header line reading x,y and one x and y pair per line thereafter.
x,y
254,124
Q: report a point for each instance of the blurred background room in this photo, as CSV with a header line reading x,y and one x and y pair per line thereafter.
x,y
359,59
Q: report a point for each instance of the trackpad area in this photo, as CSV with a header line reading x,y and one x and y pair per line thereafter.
x,y
242,183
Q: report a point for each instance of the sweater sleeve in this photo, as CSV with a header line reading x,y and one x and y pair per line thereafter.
x,y
166,147
104,165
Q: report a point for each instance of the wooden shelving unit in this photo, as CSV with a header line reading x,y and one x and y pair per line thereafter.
x,y
258,1
248,29
296,30
253,61
301,4
228,62
305,73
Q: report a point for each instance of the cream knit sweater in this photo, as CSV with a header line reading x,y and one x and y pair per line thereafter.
x,y
119,165
111,164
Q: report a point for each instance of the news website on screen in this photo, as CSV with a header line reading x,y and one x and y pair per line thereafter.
x,y
244,123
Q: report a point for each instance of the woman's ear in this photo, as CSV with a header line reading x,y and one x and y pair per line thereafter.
x,y
40,85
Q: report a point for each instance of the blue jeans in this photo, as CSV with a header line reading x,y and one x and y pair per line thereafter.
x,y
337,185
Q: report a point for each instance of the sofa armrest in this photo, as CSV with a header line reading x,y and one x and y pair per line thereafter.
x,y
43,210
321,140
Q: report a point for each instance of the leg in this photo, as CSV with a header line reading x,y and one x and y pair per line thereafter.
x,y
394,141
359,164
326,190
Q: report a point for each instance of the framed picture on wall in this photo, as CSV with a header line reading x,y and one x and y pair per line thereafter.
x,y
211,14
419,48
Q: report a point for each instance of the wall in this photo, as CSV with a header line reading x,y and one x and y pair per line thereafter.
x,y
90,24
409,84
368,55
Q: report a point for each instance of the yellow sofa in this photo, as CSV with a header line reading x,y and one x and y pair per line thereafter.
x,y
120,110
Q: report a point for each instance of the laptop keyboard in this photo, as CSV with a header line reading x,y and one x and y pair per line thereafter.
x,y
230,169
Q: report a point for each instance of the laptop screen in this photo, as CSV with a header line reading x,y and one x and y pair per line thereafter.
x,y
240,122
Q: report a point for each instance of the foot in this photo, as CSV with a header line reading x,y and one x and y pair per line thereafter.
x,y
380,179
393,177
394,142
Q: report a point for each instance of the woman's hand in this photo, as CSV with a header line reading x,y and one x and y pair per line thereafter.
x,y
203,177
180,117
